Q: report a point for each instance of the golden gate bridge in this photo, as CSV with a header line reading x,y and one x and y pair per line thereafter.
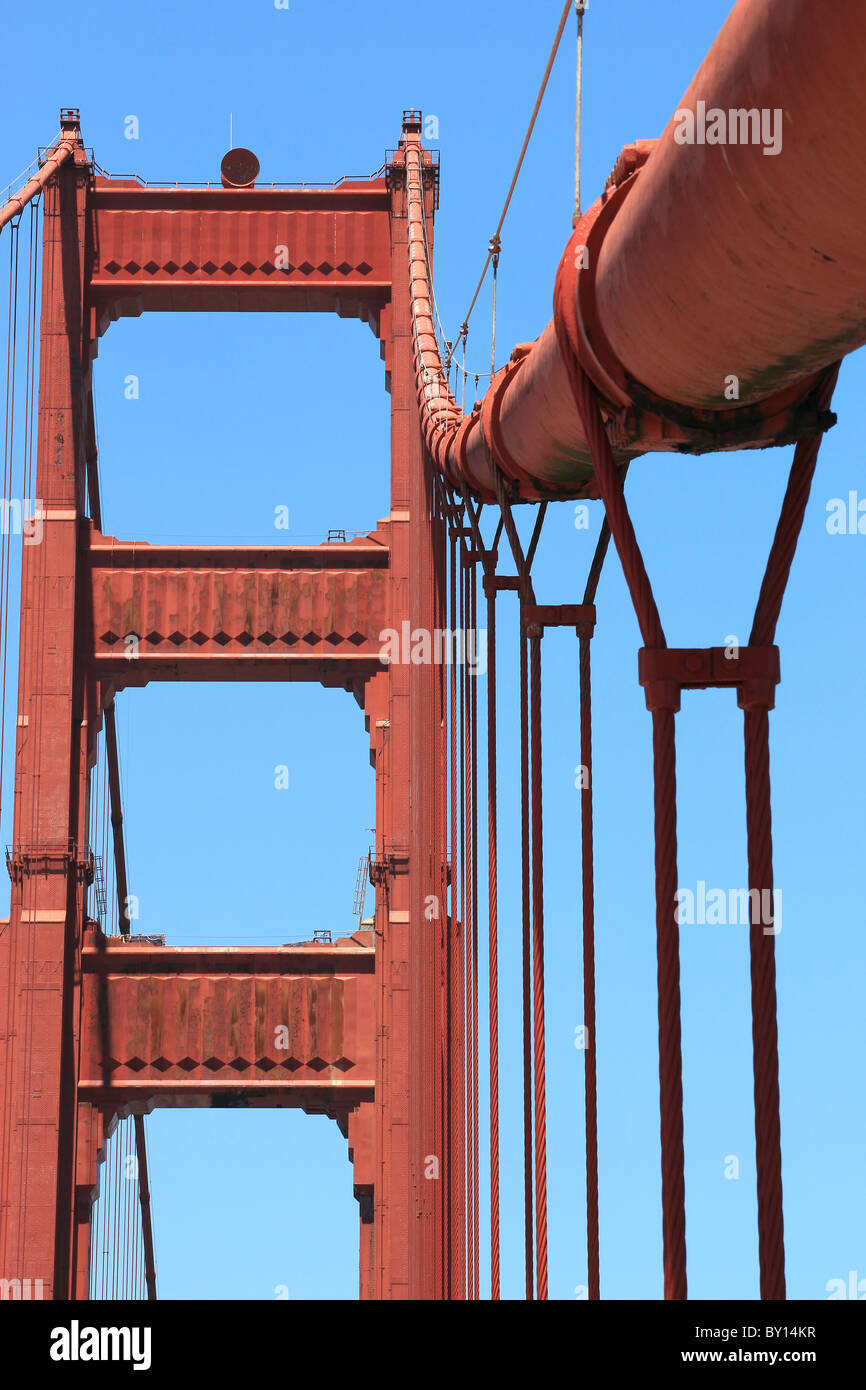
x,y
663,338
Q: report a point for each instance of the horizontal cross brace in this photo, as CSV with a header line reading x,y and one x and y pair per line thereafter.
x,y
179,1025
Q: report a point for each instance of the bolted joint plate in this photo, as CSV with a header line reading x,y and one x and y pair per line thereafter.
x,y
665,672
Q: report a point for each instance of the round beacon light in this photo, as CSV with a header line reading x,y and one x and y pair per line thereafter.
x,y
239,169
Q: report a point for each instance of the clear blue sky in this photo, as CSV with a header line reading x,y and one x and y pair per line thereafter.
x,y
247,1201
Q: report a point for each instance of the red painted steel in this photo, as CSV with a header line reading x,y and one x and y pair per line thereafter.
x,y
162,1025
660,313
225,249
239,612
62,151
208,1022
40,1003
650,319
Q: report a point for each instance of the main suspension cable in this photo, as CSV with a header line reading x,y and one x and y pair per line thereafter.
x,y
553,52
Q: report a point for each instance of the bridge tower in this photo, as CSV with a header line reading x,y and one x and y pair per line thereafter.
x,y
94,1027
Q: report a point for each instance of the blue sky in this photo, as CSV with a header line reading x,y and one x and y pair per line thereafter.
x,y
238,414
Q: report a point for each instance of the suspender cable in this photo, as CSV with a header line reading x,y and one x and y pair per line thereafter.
x,y
116,813
488,559
543,88
471,942
664,778
760,854
496,247
580,9
534,1083
493,935
457,926
146,1215
527,967
535,632
588,895
466,1023
473,708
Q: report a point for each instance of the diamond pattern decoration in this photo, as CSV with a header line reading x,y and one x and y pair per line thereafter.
x,y
238,1064
229,268
243,639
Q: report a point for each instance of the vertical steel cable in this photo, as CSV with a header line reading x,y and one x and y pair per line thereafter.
x,y
466,953
670,1039
580,8
471,677
115,1243
9,456
664,777
93,1252
493,937
527,965
443,1043
538,965
469,933
589,1013
127,1203
765,1040
588,897
762,950
456,925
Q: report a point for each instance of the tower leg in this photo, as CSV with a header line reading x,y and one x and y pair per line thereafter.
x,y
39,1046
